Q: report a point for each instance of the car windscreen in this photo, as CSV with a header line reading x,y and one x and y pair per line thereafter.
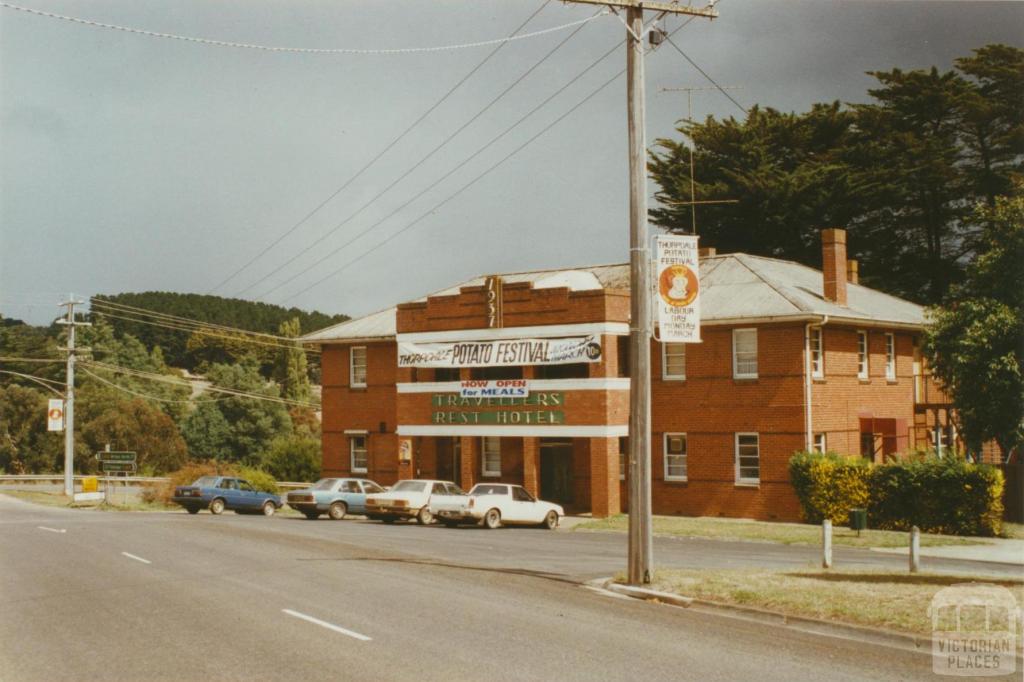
x,y
205,482
410,487
489,489
324,484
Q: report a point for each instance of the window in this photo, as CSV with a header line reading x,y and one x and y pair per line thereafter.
x,y
350,487
357,367
675,456
890,357
446,374
357,448
817,354
491,458
520,495
819,442
744,353
371,487
438,489
454,489
572,370
748,458
862,355
673,361
623,454
622,352
246,486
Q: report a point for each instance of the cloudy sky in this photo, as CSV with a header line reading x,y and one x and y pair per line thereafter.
x,y
130,162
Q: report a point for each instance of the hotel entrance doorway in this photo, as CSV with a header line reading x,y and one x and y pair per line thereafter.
x,y
556,470
449,459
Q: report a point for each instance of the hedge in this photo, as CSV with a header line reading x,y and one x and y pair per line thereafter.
x,y
947,495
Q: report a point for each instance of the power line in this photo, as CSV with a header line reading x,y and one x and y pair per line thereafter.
x,y
413,168
300,50
705,74
486,172
128,309
9,359
382,152
148,396
42,381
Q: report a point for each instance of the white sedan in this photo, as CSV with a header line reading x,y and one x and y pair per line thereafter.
x,y
410,499
497,504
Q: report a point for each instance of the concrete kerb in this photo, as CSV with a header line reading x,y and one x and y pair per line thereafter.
x,y
866,635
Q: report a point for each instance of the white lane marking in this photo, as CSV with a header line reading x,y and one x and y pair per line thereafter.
x,y
329,626
137,558
53,530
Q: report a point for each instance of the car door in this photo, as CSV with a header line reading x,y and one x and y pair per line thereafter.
x,y
438,492
526,509
228,489
248,497
369,488
352,493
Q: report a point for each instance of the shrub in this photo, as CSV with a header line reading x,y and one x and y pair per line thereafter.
x,y
293,458
260,479
947,495
830,485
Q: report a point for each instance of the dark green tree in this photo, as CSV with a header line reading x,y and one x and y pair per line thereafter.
x,y
25,444
290,368
976,345
293,458
138,426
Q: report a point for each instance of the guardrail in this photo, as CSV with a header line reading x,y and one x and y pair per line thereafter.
x,y
40,478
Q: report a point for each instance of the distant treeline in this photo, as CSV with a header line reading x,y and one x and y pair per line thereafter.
x,y
230,312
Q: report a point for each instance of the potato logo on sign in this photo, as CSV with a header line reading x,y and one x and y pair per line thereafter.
x,y
678,285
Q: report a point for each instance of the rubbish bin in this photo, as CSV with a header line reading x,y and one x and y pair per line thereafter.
x,y
858,520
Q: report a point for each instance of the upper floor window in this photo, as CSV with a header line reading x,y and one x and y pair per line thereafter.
x,y
817,354
673,361
862,355
491,456
446,374
748,458
622,353
890,357
357,450
675,456
744,353
357,366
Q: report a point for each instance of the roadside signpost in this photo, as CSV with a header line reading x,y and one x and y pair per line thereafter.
x,y
117,462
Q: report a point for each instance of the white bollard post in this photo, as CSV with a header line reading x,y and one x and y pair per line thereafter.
x,y
915,549
826,543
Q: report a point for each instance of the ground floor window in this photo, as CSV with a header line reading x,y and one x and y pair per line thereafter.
x,y
748,458
675,456
819,442
623,456
491,451
357,449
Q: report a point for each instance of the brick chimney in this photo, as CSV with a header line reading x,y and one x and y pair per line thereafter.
x,y
852,272
833,266
706,252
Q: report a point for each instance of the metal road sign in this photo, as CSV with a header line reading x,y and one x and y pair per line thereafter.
x,y
107,456
118,467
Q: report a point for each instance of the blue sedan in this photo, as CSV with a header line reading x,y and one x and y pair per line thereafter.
x,y
335,496
218,493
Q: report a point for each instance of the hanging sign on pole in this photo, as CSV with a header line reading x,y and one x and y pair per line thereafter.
x,y
678,288
55,415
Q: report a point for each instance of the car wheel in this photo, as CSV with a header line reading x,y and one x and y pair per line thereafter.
x,y
311,515
424,518
337,511
217,506
269,508
551,520
492,519
192,510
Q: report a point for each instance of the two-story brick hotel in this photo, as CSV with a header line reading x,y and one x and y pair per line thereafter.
x,y
791,359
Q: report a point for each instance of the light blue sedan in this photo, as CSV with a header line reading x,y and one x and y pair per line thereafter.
x,y
335,496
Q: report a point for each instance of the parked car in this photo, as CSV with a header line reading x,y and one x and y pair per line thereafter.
x,y
334,496
218,493
497,504
410,499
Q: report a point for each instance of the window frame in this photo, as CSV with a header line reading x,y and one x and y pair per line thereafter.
x,y
623,456
890,356
484,470
352,367
823,447
817,352
863,355
735,354
352,440
665,376
665,456
740,480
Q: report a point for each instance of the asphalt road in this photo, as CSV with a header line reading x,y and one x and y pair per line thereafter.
x,y
147,596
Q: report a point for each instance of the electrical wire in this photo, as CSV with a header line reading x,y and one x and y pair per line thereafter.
x,y
148,396
486,172
382,152
128,309
300,50
411,169
705,74
9,359
39,380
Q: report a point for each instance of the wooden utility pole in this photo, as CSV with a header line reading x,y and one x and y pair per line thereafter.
x,y
640,543
69,397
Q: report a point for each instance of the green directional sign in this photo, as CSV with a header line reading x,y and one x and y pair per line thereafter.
x,y
115,456
118,467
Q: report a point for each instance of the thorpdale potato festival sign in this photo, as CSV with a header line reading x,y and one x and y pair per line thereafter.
x,y
506,353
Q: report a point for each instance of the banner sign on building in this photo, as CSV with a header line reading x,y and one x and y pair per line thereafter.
x,y
505,353
497,388
678,289
537,408
55,415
